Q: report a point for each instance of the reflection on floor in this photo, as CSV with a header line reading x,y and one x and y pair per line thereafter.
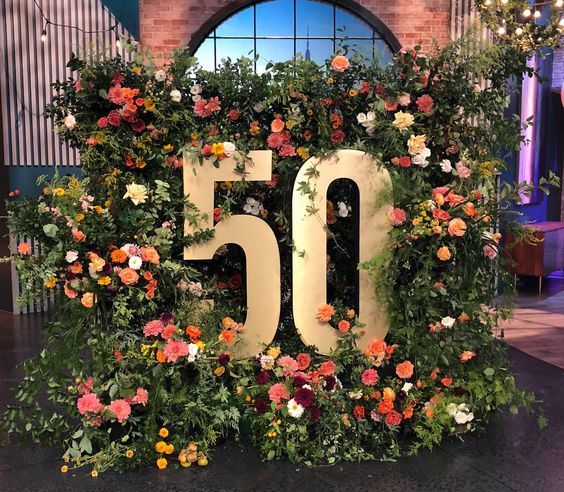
x,y
537,326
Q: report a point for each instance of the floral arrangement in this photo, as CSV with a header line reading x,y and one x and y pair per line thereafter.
x,y
138,364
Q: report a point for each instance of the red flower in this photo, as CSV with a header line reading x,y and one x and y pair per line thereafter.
x,y
425,103
393,418
358,412
405,161
233,114
390,104
138,125
103,122
114,118
304,361
337,136
441,215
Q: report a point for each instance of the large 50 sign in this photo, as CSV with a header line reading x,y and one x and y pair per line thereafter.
x,y
258,242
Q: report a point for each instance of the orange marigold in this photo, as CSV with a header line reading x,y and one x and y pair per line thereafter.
x,y
325,312
118,256
227,336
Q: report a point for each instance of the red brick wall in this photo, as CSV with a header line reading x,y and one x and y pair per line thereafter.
x,y
166,24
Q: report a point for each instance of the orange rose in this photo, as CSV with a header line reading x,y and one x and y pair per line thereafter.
x,y
385,406
76,268
404,370
446,381
118,256
161,356
87,299
277,125
389,394
96,263
457,227
128,276
227,322
227,337
466,355
340,63
150,254
70,293
469,209
443,253
78,236
376,347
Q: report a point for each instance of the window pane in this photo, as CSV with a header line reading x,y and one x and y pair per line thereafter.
x,y
350,26
275,18
315,17
383,54
239,25
234,48
320,49
273,50
205,55
362,47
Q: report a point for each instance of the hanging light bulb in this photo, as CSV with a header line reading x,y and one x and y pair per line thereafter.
x,y
526,13
561,23
501,31
537,14
44,35
559,3
518,31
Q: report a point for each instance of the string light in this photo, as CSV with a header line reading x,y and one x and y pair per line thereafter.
x,y
526,13
537,14
44,33
559,3
518,31
501,31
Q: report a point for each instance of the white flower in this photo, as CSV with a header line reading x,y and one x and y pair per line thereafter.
x,y
228,148
295,409
175,95
192,352
196,98
404,99
419,160
195,288
160,75
252,206
426,152
195,90
258,107
452,408
463,407
447,322
370,116
266,362
406,387
130,249
71,256
135,262
137,193
70,122
361,118
93,273
446,166
463,418
355,395
343,209
370,129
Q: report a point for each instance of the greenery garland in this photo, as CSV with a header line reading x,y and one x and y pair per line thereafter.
x,y
137,369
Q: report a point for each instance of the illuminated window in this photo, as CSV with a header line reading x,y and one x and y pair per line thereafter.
x,y
278,30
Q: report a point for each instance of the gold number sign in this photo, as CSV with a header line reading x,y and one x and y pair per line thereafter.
x,y
250,233
309,234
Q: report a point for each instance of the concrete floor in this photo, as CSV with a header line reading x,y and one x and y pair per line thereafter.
x,y
513,454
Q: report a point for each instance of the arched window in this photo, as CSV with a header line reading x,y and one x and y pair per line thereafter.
x,y
278,30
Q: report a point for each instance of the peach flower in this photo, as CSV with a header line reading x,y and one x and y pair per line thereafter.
x,y
466,355
150,254
457,227
344,326
340,63
78,236
325,313
277,125
304,360
398,216
327,368
121,409
404,370
278,392
89,404
24,248
87,299
444,254
129,276
376,347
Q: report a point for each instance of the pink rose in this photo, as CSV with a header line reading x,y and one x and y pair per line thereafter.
x,y
114,118
398,216
288,364
121,409
463,171
304,360
89,403
103,122
278,392
174,350
141,396
424,103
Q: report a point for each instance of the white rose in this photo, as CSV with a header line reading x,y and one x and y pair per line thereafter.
x,y
196,98
160,75
426,152
452,409
448,322
370,116
193,349
228,148
460,418
406,387
361,118
137,193
404,99
135,262
446,166
195,90
71,256
70,122
295,409
343,209
370,129
419,160
175,95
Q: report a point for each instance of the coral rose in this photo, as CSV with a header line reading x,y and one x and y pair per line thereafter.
x,y
277,125
466,355
441,215
129,276
457,227
121,409
175,349
424,103
393,418
78,236
398,216
344,326
340,63
304,360
370,377
278,392
444,254
376,347
89,404
150,254
404,370
327,368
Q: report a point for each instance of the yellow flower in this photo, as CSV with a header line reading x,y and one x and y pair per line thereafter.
x,y
99,210
353,92
303,152
137,193
163,432
200,344
227,322
149,104
107,203
64,469
129,453
330,80
290,124
169,449
403,120
79,217
226,185
58,192
100,137
416,144
160,447
218,149
218,371
167,147
194,136
416,221
162,463
105,280
51,282
273,352
136,70
93,473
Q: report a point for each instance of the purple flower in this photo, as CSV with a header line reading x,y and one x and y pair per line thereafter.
x,y
223,359
330,382
314,413
299,381
305,397
167,318
260,405
263,377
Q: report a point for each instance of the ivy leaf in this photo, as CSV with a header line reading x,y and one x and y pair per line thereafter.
x,y
50,230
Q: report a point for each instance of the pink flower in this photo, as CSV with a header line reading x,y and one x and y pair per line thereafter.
x,y
141,396
425,103
344,326
200,108
287,150
175,349
214,104
278,392
85,387
289,365
370,377
304,360
121,409
153,328
390,104
327,368
462,170
114,118
103,122
89,404
115,96
490,251
168,331
398,216
275,140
